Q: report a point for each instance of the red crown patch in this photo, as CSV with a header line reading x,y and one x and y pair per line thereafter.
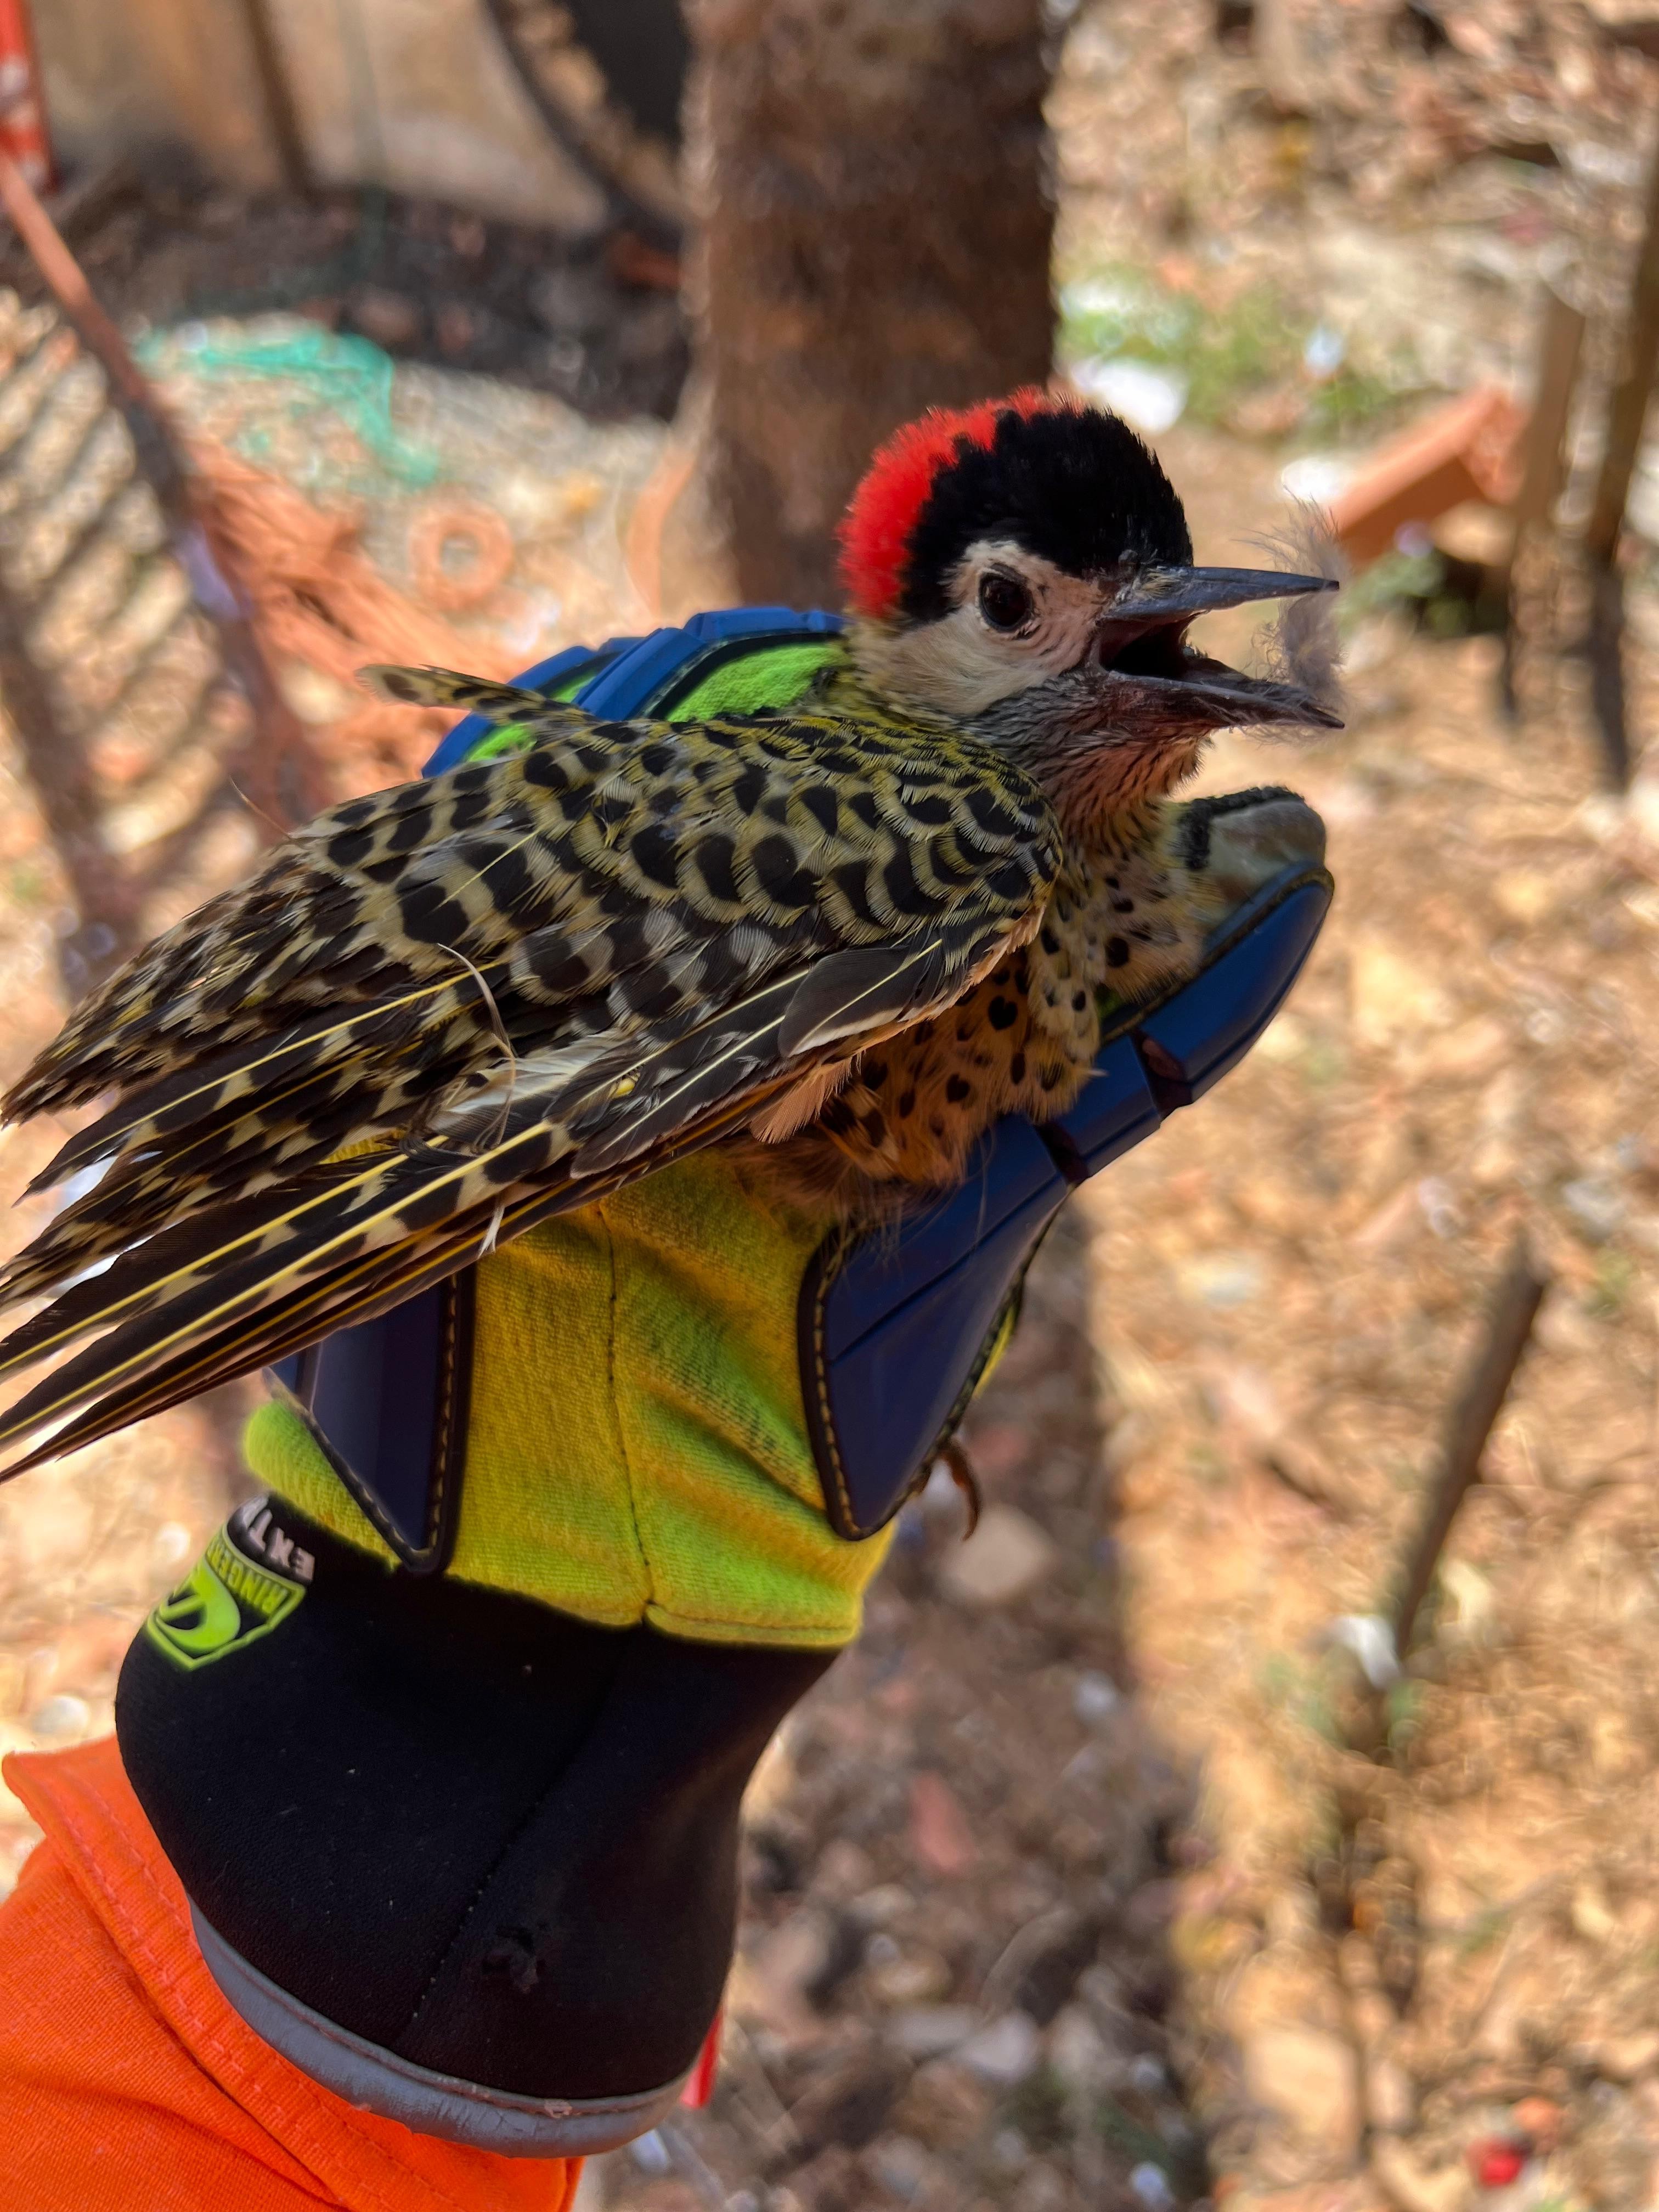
x,y
875,531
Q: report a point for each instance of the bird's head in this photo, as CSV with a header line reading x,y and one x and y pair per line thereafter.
x,y
1024,567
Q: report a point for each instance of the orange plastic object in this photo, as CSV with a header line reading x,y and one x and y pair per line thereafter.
x,y
442,521
23,133
126,2080
1468,450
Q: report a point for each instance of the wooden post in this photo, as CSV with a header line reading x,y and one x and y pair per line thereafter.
x,y
1561,340
203,57
1626,413
1561,343
286,131
875,239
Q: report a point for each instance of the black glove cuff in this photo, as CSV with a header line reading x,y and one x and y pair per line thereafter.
x,y
462,1858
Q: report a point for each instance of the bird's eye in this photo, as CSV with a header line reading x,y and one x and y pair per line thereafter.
x,y
1005,601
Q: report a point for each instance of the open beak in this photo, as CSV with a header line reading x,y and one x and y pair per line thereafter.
x,y
1152,674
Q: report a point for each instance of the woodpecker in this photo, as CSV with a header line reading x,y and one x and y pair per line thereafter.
x,y
848,935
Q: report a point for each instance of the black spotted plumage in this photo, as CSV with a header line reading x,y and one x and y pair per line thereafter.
x,y
546,998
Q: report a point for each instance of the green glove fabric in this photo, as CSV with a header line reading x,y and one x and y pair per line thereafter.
x,y
636,1449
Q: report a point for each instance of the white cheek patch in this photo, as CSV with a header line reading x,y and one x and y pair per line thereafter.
x,y
959,665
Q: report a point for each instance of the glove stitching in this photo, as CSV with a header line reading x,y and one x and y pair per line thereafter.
x,y
725,1620
479,2092
358,1493
443,1441
616,1405
567,1760
820,1385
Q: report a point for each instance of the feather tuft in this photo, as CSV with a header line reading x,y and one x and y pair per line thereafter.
x,y
1302,646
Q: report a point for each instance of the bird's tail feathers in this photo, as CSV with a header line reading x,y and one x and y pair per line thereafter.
x,y
261,1112
340,1300
271,1286
214,1293
248,1072
445,687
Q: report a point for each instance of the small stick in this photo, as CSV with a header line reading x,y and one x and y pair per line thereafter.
x,y
1487,1384
1604,649
288,133
1278,52
1626,412
280,761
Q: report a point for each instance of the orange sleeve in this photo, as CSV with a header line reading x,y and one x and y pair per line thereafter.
x,y
128,2083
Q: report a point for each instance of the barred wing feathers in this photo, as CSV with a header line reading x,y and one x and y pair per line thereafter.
x,y
444,1011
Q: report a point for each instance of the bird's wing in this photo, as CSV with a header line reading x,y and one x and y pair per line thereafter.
x,y
442,1013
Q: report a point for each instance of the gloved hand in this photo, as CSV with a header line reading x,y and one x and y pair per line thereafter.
x,y
447,1737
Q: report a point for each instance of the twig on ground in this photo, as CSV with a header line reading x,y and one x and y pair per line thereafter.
x,y
1306,1476
1509,1325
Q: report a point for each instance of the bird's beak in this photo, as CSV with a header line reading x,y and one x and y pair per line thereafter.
x,y
1158,596
1209,694
1151,674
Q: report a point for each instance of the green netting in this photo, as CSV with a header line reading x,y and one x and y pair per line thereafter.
x,y
346,375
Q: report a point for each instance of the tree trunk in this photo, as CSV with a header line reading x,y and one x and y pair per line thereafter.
x,y
872,183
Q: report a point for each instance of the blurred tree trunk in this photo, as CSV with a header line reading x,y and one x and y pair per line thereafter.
x,y
872,181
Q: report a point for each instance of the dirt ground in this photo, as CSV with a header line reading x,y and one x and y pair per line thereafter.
x,y
1098,1875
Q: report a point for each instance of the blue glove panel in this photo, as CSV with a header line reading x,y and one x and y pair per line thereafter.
x,y
1117,1108
635,683
633,675
894,1330
388,1401
889,1335
1206,1029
